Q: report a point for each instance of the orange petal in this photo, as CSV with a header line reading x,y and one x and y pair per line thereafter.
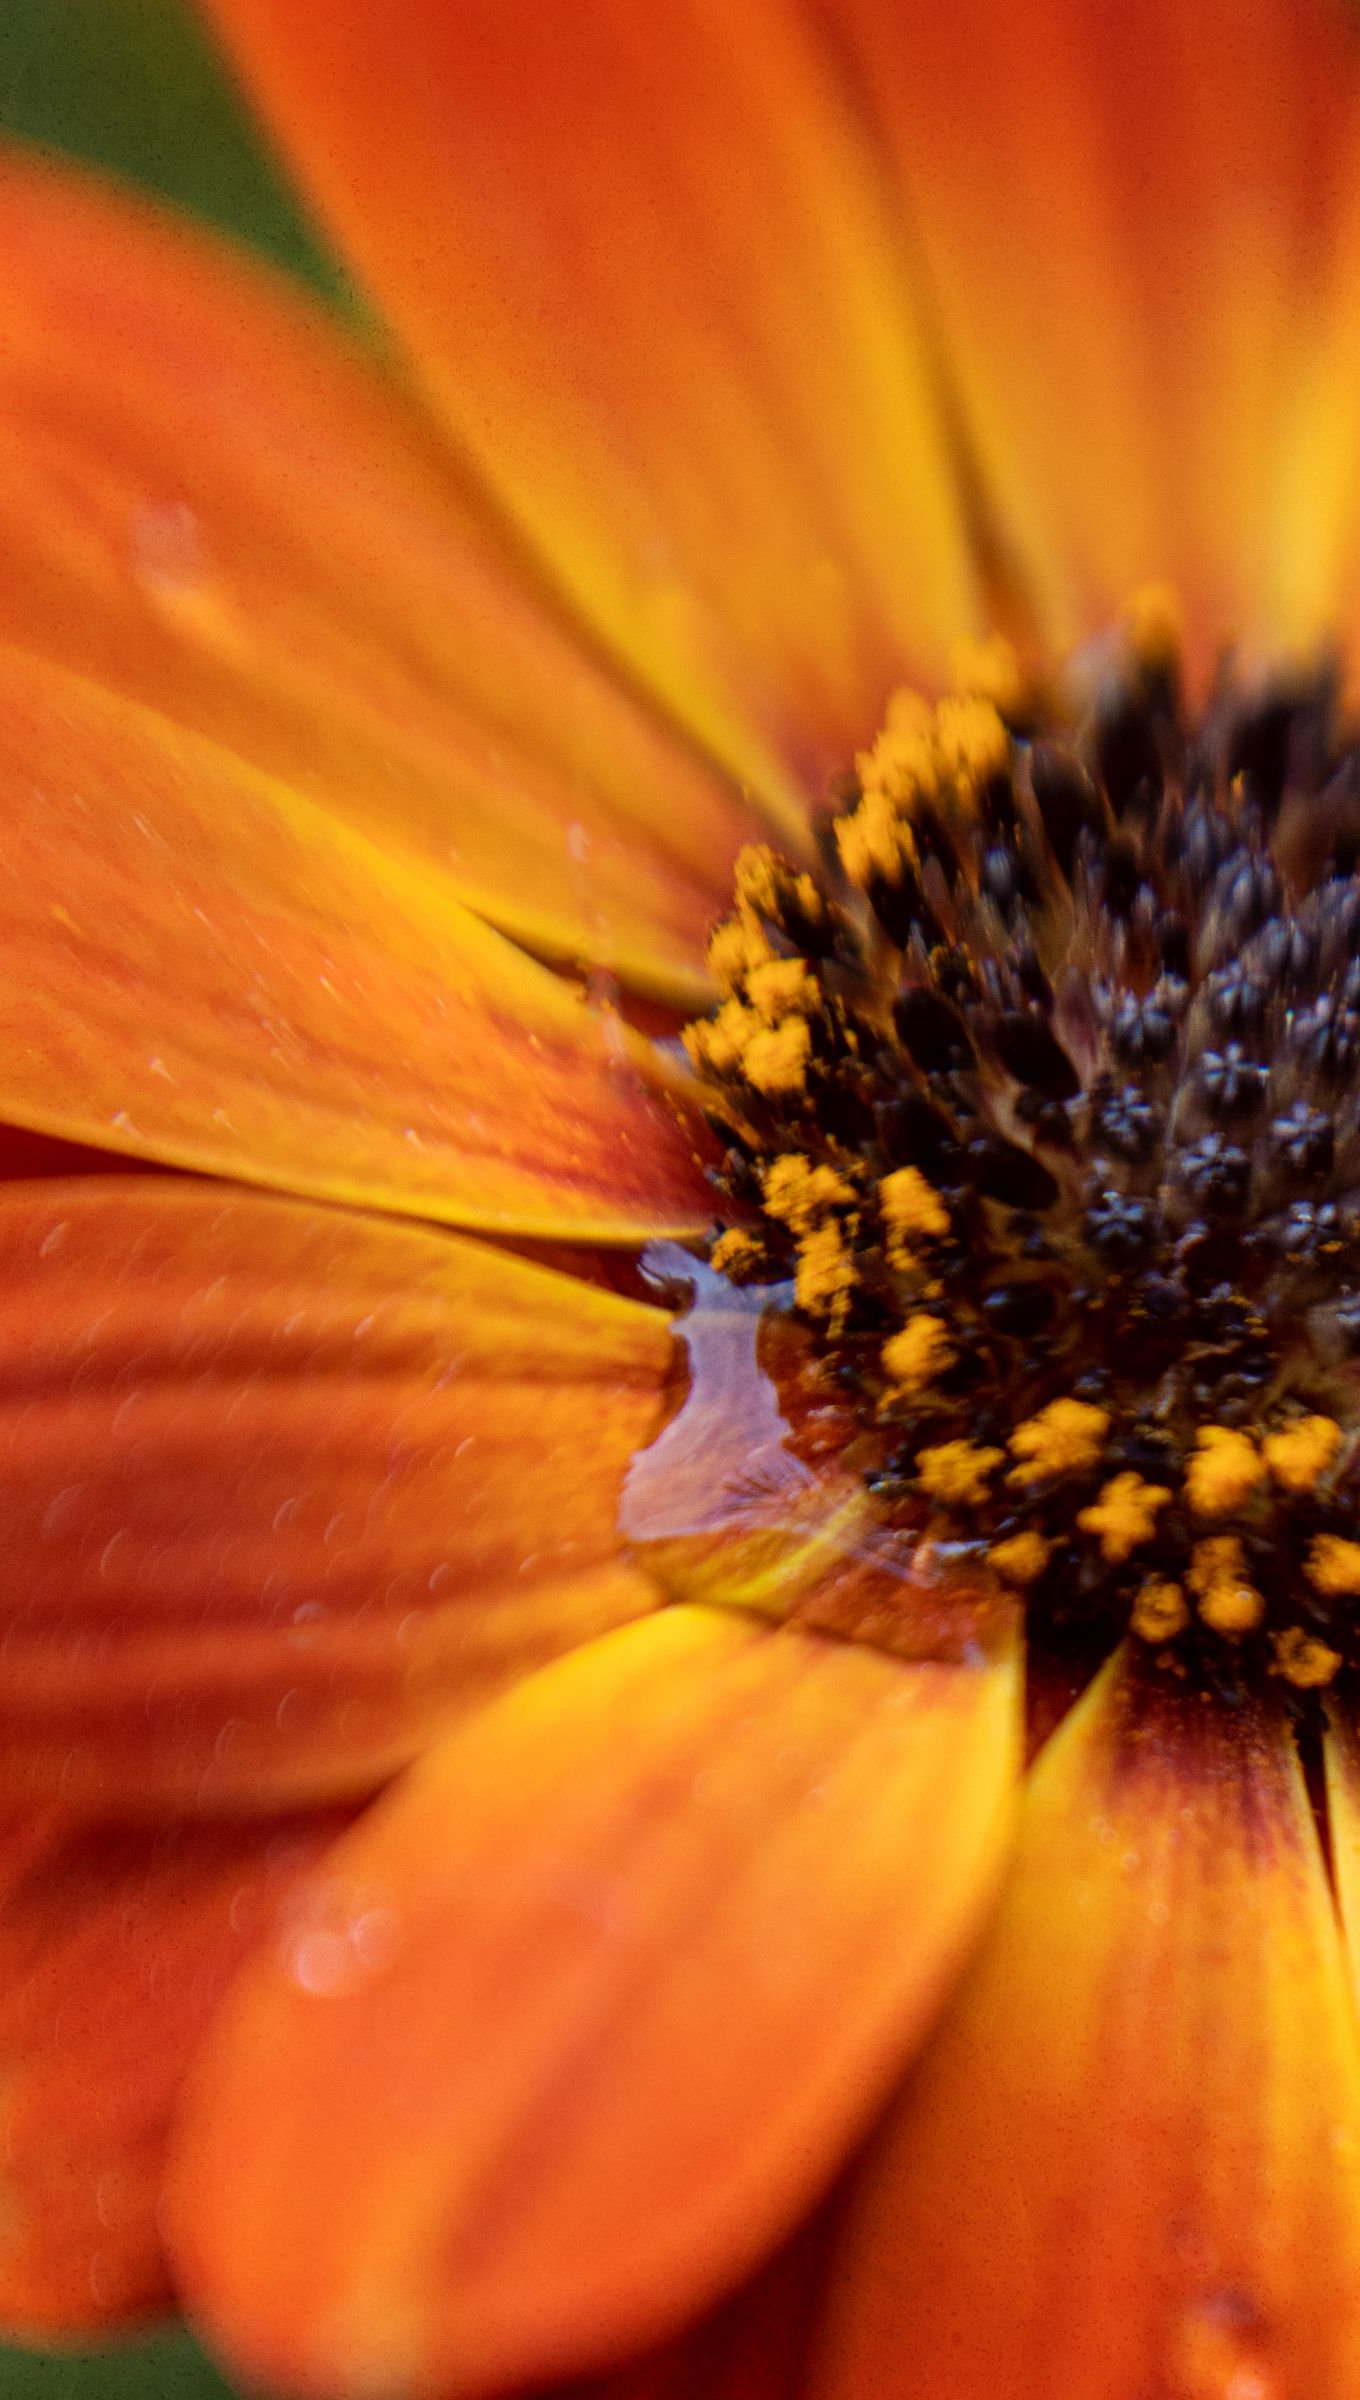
x,y
1123,213
282,1487
25,1157
211,500
115,1947
200,967
647,1941
753,2346
642,263
1314,513
1128,2163
1342,1755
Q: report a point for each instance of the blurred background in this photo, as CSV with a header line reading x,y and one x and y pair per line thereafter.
x,y
133,87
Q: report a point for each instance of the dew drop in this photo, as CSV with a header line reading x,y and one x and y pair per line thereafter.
x,y
344,1945
1216,2352
670,1490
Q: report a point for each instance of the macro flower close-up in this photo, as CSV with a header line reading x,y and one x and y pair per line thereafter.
x,y
680,1213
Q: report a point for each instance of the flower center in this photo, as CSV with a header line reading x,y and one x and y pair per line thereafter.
x,y
1044,1091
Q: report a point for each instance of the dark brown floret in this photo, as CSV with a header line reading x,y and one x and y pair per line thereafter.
x,y
1050,1118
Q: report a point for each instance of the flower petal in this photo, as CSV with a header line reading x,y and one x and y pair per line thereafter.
x,y
1124,213
199,967
116,1944
1342,1757
213,501
1313,514
642,264
654,1932
753,2346
282,1488
1128,2162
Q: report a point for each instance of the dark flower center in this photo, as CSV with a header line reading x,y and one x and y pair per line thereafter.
x,y
1043,1092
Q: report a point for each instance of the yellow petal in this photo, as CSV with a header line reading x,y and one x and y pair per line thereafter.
x,y
642,266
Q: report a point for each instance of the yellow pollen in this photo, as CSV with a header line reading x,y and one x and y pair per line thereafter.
x,y
1226,1467
972,743
776,1057
957,1472
1063,1439
1124,1516
1159,1612
826,1274
1228,1603
915,1356
799,1194
764,884
734,1252
1021,1558
719,1043
875,843
922,755
1299,1455
735,949
901,769
989,670
780,988
773,1058
1154,627
1333,1566
755,878
912,1206
1303,1660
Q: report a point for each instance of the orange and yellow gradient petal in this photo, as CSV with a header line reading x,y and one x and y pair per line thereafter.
x,y
643,267
1125,216
214,500
199,967
1128,2162
582,2018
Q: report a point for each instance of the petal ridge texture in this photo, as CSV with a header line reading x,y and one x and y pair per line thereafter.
x,y
636,1956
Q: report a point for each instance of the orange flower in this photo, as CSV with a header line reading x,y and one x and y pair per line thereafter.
x,y
489,1818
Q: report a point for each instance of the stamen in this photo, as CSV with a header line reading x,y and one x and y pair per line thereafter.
x,y
1303,1660
1217,1576
956,1472
1159,1610
1225,1470
916,1355
1064,1439
1125,1515
1021,1558
1334,1566
1300,1454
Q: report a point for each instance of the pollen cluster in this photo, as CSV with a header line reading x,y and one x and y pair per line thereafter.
x,y
1041,1104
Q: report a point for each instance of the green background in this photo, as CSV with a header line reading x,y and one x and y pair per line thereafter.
x,y
133,86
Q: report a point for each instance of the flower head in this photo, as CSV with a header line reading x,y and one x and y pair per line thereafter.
x,y
660,762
